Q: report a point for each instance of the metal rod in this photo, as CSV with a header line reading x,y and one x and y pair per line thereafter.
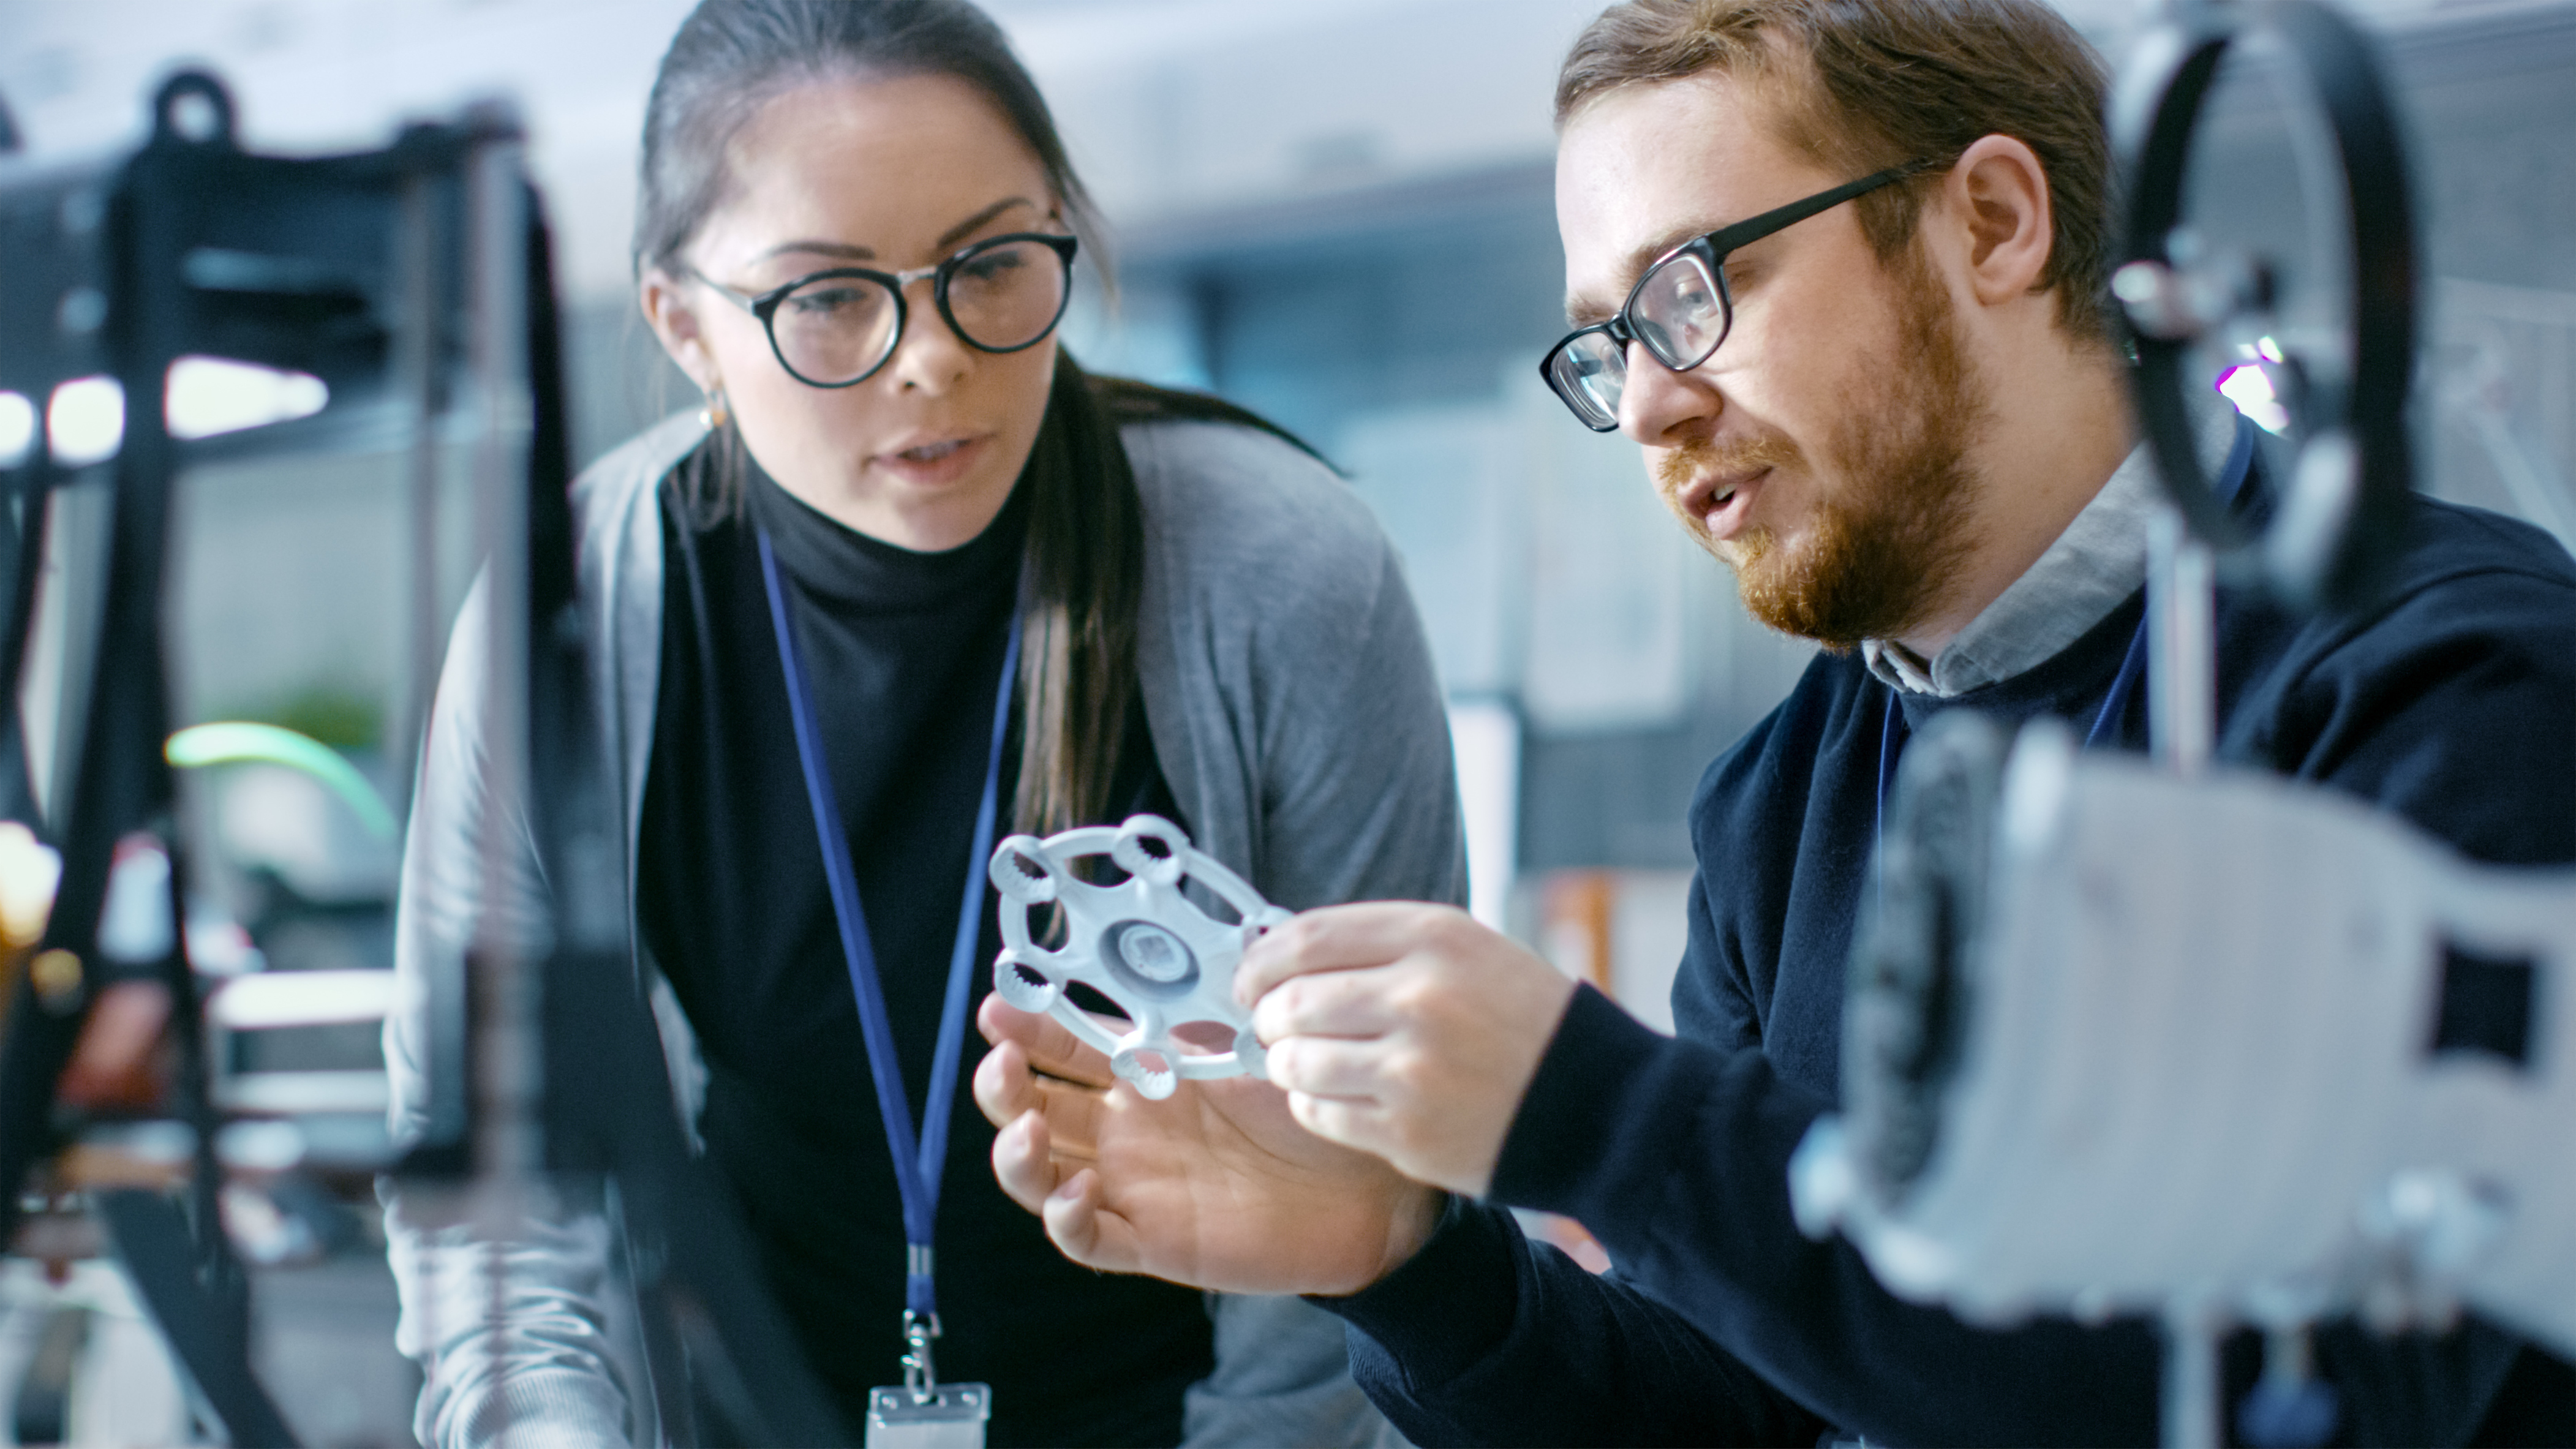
x,y
2182,610
420,377
2190,1408
506,1068
28,504
151,1238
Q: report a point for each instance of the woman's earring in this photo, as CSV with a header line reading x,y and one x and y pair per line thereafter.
x,y
715,414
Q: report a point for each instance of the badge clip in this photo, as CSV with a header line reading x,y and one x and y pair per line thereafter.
x,y
921,1412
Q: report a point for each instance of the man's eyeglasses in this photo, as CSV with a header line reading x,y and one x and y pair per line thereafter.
x,y
836,328
1680,309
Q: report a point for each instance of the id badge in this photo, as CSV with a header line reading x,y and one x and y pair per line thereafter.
x,y
950,1416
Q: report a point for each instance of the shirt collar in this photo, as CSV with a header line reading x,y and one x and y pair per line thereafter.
x,y
2096,563
2091,569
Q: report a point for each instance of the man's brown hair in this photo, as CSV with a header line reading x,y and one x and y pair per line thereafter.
x,y
1889,82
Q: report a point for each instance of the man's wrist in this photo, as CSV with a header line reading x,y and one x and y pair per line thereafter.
x,y
1445,1307
1415,1220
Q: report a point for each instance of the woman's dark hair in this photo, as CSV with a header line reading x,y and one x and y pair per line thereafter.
x,y
733,57
1086,530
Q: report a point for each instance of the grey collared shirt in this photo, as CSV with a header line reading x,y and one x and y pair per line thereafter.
x,y
2096,563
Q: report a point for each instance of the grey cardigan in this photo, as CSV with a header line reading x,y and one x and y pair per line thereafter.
x,y
1294,712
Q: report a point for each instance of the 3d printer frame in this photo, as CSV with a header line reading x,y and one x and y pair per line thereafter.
x,y
416,282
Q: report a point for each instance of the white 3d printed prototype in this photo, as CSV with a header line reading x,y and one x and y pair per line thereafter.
x,y
2119,1041
1153,951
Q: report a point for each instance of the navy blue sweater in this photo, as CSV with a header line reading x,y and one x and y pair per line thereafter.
x,y
2451,702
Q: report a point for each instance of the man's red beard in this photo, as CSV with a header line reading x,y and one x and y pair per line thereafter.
x,y
1892,523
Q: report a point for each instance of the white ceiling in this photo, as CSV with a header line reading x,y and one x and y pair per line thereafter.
x,y
1170,106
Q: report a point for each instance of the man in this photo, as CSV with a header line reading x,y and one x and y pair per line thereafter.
x,y
1901,419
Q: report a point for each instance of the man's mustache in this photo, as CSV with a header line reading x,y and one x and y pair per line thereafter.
x,y
1697,458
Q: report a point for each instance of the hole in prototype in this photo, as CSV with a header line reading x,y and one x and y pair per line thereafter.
x,y
1212,1037
1090,1000
2485,1007
1028,870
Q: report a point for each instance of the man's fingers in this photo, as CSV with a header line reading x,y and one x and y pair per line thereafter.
x,y
1340,938
1352,1003
1052,1050
1022,1164
1352,1123
1005,1089
1085,1231
1004,1085
1324,1067
1072,1117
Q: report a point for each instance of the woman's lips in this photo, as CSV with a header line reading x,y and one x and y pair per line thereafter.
x,y
934,463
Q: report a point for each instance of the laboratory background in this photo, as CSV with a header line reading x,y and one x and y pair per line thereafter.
x,y
1338,213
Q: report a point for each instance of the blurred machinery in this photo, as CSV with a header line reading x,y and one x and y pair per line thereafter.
x,y
413,283
2193,1041
2225,1051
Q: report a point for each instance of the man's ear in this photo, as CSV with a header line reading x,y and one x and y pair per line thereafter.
x,y
675,322
1999,193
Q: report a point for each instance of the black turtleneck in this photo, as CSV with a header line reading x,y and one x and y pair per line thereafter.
x,y
903,652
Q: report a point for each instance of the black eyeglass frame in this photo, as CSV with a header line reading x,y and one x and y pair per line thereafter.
x,y
1711,252
765,305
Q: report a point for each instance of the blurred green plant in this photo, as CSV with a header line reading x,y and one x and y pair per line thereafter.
x,y
237,742
335,715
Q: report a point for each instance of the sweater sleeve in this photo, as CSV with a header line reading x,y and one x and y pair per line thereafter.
x,y
1487,1338
1675,1154
1363,791
1290,689
510,1327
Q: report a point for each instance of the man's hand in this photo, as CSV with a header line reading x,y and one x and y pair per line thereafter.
x,y
1216,1186
1407,1031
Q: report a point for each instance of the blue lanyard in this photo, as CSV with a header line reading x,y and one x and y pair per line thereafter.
x,y
916,1168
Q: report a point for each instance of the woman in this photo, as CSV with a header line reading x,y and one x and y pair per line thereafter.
x,y
902,498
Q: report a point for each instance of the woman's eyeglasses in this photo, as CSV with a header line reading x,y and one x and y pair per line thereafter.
x,y
837,327
1680,309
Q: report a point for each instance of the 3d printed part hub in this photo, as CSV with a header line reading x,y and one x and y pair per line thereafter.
x,y
1152,950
